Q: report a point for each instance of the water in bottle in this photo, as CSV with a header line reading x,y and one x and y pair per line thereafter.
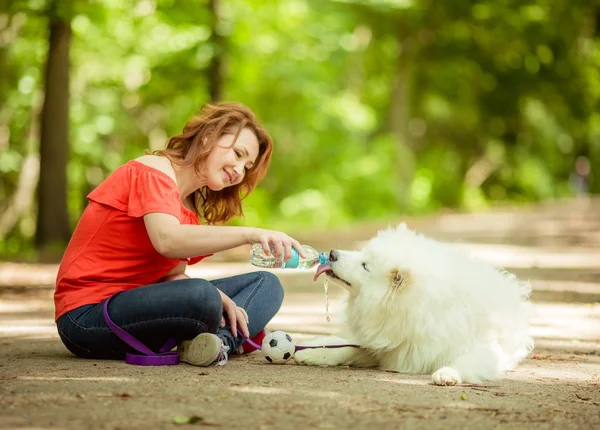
x,y
260,259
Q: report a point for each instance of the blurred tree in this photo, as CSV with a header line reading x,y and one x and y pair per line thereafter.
x,y
216,67
53,227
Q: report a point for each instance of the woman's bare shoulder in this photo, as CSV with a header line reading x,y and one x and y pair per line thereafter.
x,y
159,163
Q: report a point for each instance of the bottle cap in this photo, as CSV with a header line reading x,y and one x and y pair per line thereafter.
x,y
294,260
323,258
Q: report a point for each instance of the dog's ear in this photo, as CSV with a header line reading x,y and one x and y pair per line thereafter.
x,y
399,278
401,227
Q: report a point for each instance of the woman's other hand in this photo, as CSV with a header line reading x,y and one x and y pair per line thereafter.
x,y
237,316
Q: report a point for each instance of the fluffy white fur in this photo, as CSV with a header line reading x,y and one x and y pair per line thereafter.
x,y
416,305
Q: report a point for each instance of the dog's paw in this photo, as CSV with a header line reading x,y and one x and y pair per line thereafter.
x,y
315,357
446,376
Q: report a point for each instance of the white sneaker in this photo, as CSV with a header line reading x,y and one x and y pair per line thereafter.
x,y
203,350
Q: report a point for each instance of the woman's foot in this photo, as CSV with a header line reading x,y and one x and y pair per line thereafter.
x,y
203,350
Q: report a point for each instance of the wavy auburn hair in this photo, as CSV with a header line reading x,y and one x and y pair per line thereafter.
x,y
200,135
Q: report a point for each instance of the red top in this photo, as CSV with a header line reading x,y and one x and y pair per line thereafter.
x,y
110,250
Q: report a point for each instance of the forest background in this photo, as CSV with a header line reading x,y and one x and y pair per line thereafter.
x,y
378,108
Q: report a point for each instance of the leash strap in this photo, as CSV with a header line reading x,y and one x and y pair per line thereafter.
x,y
147,357
300,348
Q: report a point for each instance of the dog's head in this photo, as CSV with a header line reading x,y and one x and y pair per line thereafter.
x,y
386,266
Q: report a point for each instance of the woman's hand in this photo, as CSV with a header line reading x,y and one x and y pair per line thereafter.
x,y
280,243
237,316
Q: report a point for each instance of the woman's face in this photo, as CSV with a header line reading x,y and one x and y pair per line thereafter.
x,y
226,165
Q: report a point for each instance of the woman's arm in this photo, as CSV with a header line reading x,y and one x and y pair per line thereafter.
x,y
174,240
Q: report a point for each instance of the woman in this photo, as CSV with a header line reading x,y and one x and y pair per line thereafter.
x,y
141,229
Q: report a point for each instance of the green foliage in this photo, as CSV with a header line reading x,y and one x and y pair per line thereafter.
x,y
499,98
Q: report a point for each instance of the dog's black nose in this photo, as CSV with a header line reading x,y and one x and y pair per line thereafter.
x,y
333,255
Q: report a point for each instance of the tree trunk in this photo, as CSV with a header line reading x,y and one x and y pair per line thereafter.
x,y
215,69
53,230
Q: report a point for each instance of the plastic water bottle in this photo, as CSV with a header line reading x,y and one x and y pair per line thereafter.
x,y
260,259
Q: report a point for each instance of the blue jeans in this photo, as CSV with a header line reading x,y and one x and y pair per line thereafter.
x,y
178,310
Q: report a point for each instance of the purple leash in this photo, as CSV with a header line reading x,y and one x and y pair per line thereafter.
x,y
164,357
147,356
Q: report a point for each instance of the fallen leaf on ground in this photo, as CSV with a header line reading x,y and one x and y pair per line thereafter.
x,y
540,357
122,395
193,419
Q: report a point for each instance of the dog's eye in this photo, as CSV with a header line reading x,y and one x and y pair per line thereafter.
x,y
366,267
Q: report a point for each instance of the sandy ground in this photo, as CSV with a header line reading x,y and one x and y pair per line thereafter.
x,y
556,246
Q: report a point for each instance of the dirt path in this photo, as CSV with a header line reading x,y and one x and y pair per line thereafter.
x,y
556,246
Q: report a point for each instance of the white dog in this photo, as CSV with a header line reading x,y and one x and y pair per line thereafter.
x,y
416,305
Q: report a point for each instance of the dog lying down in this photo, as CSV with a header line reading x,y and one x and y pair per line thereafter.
x,y
416,305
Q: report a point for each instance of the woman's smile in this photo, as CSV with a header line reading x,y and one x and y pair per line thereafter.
x,y
228,176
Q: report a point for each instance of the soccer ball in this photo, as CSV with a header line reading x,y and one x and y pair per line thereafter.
x,y
278,347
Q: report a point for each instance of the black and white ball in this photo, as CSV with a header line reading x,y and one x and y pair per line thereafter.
x,y
278,347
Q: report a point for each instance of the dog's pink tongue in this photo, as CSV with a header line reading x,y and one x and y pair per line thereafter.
x,y
322,269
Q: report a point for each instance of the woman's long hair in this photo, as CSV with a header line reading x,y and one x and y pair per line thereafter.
x,y
199,137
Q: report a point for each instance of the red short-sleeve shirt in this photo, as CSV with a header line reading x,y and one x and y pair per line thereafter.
x,y
110,250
